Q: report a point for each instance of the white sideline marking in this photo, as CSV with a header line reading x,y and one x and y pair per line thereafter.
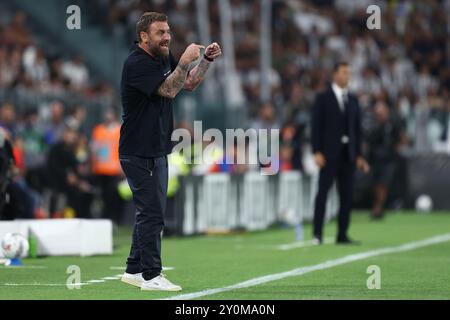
x,y
117,268
111,278
168,268
62,284
43,284
95,281
23,267
101,280
37,284
321,266
301,244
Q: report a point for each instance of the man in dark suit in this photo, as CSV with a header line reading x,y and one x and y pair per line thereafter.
x,y
336,143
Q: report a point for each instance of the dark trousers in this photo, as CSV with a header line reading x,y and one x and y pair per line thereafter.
x,y
341,169
148,182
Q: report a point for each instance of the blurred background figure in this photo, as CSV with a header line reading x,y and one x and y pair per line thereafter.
x,y
76,119
76,72
384,142
7,166
23,200
69,189
34,150
54,129
292,141
8,119
106,166
267,120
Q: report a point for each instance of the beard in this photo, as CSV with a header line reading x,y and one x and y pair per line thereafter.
x,y
160,50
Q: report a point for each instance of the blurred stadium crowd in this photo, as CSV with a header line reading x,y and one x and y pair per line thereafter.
x,y
401,75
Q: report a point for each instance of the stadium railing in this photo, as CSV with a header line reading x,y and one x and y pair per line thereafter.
x,y
221,203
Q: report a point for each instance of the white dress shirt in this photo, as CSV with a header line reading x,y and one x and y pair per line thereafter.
x,y
339,93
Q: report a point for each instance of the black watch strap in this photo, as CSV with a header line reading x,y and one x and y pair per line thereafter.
x,y
208,59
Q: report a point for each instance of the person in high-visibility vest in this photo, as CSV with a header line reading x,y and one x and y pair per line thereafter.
x,y
177,168
106,166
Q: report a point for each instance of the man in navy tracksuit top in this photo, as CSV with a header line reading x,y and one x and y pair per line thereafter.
x,y
151,79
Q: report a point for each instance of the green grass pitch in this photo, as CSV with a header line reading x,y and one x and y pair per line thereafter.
x,y
207,262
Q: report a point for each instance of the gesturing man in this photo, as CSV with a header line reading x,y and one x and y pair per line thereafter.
x,y
151,78
336,142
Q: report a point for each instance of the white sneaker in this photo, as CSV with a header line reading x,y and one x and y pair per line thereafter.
x,y
159,283
133,279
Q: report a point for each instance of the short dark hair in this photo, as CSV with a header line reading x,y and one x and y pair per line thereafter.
x,y
146,20
339,64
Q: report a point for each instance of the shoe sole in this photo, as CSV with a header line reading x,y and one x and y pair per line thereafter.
x,y
158,289
132,282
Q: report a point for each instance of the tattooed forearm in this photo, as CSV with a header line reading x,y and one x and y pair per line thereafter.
x,y
174,83
196,75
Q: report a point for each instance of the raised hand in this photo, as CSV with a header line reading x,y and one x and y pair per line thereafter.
x,y
213,51
191,53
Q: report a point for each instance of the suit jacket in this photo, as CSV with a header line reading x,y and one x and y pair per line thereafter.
x,y
328,126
